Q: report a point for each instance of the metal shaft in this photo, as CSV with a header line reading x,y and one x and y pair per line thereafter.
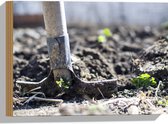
x,y
55,24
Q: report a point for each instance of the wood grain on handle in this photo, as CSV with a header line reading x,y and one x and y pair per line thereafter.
x,y
54,18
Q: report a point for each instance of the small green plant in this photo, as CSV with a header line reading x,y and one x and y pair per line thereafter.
x,y
163,102
104,34
107,32
144,80
62,84
101,39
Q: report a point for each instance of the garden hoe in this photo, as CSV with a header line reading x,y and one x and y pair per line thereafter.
x,y
60,61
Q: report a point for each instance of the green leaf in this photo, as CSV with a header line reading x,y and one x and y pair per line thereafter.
x,y
144,76
101,39
62,84
144,80
107,32
153,81
163,102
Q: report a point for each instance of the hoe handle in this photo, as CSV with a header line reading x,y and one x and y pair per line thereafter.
x,y
54,18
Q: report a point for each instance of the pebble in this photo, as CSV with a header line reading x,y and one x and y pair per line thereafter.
x,y
133,110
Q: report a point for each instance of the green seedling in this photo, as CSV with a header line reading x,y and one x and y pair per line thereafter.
x,y
62,84
101,39
104,34
144,80
163,102
107,32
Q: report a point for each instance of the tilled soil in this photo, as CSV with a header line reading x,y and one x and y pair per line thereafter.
x,y
128,53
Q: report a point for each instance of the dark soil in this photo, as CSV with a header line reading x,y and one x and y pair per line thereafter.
x,y
128,53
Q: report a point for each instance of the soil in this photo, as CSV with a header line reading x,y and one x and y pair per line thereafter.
x,y
129,52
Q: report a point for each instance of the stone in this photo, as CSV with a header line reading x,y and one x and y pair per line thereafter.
x,y
133,110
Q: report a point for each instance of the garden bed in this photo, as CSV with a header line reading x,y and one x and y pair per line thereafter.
x,y
128,53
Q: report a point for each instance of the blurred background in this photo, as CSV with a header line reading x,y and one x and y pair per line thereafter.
x,y
95,13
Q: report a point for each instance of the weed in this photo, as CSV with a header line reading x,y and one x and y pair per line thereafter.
x,y
62,84
101,39
163,102
107,32
144,80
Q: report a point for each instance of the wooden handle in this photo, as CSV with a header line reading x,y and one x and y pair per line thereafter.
x,y
54,18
